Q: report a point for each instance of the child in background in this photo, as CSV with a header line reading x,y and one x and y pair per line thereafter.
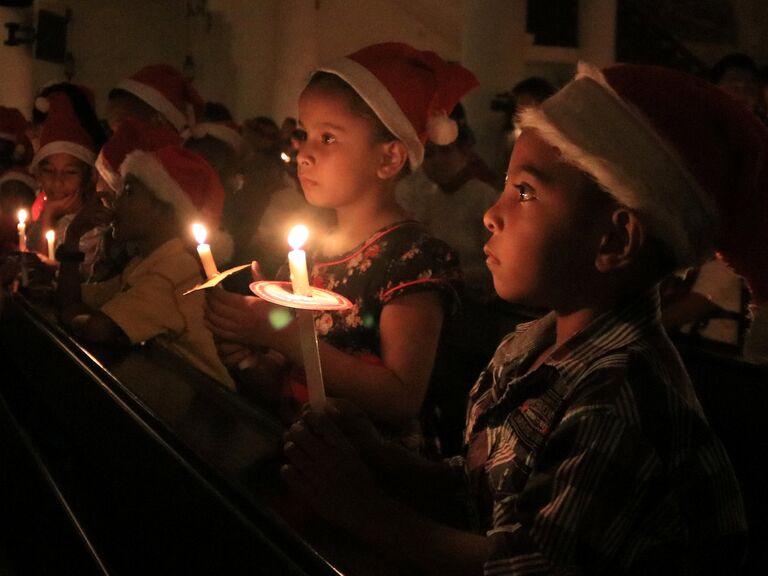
x,y
63,165
586,449
365,118
163,193
17,186
158,94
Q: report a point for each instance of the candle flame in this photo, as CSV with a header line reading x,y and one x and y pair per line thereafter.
x,y
200,233
298,236
50,235
284,157
22,216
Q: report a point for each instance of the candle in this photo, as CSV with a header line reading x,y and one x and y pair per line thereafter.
x,y
22,228
50,236
297,263
204,250
297,260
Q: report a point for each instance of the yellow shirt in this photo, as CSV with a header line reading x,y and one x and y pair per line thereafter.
x,y
146,301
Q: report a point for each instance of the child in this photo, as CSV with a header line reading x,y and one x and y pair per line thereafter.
x,y
164,192
365,117
63,166
586,450
158,94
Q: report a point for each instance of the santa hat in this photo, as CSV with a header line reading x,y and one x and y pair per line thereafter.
x,y
13,127
185,180
64,133
226,132
18,174
411,91
43,106
687,158
132,135
166,90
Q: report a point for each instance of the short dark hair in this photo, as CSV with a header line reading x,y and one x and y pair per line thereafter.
x,y
733,61
536,86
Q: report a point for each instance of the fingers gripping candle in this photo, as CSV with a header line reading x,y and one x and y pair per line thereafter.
x,y
204,250
297,263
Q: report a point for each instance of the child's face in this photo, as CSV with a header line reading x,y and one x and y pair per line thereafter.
x,y
135,210
339,160
61,176
544,238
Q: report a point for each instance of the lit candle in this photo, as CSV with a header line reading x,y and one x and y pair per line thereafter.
x,y
204,250
50,236
297,263
297,260
22,228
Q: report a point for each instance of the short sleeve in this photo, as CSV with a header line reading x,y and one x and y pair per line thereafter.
x,y
424,265
146,309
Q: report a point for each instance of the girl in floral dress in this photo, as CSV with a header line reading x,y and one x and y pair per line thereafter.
x,y
365,118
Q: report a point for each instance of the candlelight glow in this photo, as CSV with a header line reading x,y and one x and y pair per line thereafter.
x,y
50,235
284,157
298,236
22,216
200,233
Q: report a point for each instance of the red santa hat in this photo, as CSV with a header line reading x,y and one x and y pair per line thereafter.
x,y
411,91
13,128
687,158
166,90
63,133
19,174
132,135
185,180
226,132
43,105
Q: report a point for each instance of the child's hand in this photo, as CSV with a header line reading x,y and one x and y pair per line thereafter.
x,y
237,318
233,354
325,468
55,209
356,425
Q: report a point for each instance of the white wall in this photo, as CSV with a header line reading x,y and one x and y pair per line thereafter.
x,y
16,64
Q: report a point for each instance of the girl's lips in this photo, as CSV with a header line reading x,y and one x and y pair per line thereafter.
x,y
489,257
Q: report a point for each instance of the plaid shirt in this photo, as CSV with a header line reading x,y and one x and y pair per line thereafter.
x,y
600,460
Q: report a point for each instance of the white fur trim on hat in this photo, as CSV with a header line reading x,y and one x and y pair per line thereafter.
x,y
110,175
600,133
381,101
218,131
15,176
155,99
62,147
442,130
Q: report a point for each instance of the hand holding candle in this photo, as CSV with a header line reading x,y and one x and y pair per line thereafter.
x,y
297,262
22,228
204,250
50,237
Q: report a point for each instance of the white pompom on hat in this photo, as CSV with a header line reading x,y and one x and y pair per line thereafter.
x,y
185,180
411,91
690,160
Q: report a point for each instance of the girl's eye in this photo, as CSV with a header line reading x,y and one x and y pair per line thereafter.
x,y
328,139
525,192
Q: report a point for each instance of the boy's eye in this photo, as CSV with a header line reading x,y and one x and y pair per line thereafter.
x,y
127,188
328,138
525,192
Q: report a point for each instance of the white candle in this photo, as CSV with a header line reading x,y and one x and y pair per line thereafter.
x,y
22,228
204,250
297,260
50,236
297,263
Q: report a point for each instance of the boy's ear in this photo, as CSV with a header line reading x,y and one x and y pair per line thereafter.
x,y
394,155
621,243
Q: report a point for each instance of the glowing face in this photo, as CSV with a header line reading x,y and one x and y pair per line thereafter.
x,y
544,239
62,176
338,160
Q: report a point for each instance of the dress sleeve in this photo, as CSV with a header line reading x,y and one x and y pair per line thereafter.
x,y
424,264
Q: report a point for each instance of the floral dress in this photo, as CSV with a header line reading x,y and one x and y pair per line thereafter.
x,y
399,259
